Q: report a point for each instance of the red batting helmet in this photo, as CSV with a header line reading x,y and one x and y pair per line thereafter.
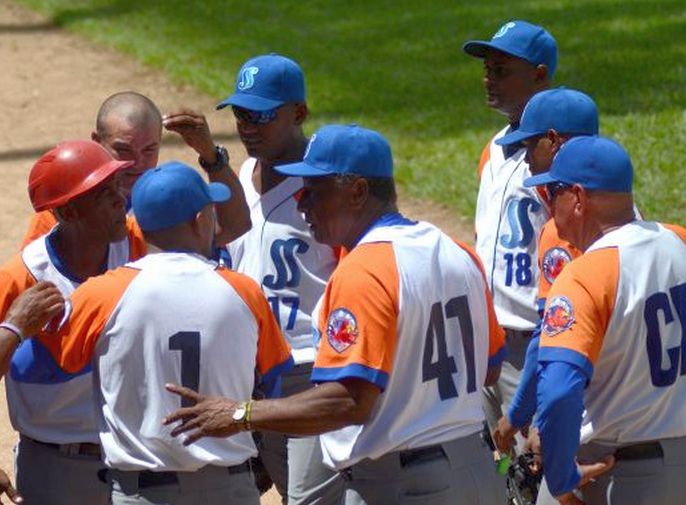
x,y
68,170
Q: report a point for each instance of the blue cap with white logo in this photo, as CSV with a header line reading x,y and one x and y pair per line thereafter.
x,y
343,149
521,39
172,194
595,163
266,82
564,110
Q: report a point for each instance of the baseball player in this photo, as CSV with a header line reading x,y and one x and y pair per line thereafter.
x,y
58,456
129,126
280,253
171,316
519,61
612,340
549,119
407,334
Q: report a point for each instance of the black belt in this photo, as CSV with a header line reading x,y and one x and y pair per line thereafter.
x,y
146,478
407,458
421,455
648,450
74,449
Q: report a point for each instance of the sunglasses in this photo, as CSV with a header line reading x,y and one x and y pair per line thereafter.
x,y
253,116
554,188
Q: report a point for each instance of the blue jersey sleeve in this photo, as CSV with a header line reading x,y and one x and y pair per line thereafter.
x,y
523,405
560,408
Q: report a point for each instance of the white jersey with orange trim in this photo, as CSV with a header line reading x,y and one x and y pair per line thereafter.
x,y
408,310
45,403
170,317
622,307
508,220
281,255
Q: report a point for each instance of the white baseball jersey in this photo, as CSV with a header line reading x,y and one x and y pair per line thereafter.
x,y
508,221
408,310
168,318
44,402
622,306
281,255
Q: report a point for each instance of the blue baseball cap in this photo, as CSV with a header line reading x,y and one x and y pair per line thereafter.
x,y
521,39
561,109
266,82
171,194
343,149
593,162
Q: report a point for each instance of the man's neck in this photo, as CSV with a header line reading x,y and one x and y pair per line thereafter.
x,y
265,177
82,255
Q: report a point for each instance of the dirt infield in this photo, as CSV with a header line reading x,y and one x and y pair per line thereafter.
x,y
52,85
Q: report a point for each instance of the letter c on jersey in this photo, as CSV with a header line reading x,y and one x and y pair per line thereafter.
x,y
656,303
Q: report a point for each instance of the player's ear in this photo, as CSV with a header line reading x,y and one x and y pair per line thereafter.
x,y
359,192
95,137
301,113
542,75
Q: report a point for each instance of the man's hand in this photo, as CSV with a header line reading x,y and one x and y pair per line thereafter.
x,y
208,417
533,446
193,128
6,488
504,435
588,471
32,310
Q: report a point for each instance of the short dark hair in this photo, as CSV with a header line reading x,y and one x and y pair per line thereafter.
x,y
382,188
136,108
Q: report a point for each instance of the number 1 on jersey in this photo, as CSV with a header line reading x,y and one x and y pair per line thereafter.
x,y
188,342
444,367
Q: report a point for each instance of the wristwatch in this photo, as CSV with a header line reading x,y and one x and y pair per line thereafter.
x,y
222,161
241,415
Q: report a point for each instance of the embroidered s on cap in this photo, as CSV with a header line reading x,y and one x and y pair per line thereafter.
x,y
266,82
521,39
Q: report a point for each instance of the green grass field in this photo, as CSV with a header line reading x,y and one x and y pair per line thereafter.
x,y
397,66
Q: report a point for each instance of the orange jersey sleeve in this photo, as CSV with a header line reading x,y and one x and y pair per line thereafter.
x,y
679,230
358,317
553,255
496,334
137,245
273,352
41,223
485,157
580,304
15,278
90,307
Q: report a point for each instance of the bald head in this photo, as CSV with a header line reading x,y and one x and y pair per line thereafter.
x,y
136,109
129,126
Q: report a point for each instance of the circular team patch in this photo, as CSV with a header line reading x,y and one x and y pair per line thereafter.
x,y
554,260
341,329
559,316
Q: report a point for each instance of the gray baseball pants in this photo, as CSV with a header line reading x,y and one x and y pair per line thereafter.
x,y
645,481
211,485
458,472
64,475
295,463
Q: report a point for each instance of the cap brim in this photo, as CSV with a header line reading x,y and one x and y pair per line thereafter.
x,y
539,180
301,169
477,48
219,192
250,102
515,137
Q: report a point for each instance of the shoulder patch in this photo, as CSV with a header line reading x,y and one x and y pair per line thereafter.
x,y
559,316
341,329
554,260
